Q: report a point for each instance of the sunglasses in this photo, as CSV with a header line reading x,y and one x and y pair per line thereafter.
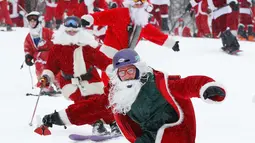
x,y
143,1
72,23
32,17
128,71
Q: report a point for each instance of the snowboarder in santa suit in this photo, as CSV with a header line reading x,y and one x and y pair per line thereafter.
x,y
76,57
150,106
37,45
4,14
126,26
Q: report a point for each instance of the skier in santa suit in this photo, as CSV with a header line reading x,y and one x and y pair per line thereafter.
x,y
16,13
126,26
224,22
201,14
65,5
75,56
160,12
152,107
4,14
37,44
182,30
50,12
245,23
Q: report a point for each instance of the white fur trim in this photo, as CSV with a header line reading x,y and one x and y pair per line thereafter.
x,y
79,65
88,18
169,42
193,3
91,88
204,87
68,89
63,116
50,74
109,71
108,51
161,130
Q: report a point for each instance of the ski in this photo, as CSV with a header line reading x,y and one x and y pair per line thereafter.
x,y
44,93
95,138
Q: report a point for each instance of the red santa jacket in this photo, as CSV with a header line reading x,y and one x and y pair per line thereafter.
x,y
178,93
14,8
117,36
182,31
73,60
40,52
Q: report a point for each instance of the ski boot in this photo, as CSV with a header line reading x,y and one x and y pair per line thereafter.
x,y
53,118
9,27
229,42
242,33
99,128
115,129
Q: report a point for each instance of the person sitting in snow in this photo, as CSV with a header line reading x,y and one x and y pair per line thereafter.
x,y
150,106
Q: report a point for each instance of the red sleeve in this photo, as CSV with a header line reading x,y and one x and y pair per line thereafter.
x,y
112,16
97,58
28,47
188,87
153,34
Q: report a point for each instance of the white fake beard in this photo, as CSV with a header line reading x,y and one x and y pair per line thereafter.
x,y
139,16
122,96
81,38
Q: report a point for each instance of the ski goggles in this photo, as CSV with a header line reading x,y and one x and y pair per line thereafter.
x,y
136,1
32,17
128,71
72,23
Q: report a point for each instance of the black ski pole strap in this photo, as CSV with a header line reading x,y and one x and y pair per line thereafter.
x,y
134,37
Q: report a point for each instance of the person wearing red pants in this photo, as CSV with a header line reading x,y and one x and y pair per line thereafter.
x,y
16,13
65,5
245,23
50,12
201,15
75,56
5,14
160,12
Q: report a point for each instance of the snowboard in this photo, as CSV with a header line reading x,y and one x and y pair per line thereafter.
x,y
233,53
95,138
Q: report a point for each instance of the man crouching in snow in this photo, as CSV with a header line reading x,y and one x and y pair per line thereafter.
x,y
75,56
151,107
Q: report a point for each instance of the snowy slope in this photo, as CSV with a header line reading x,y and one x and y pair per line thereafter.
x,y
231,121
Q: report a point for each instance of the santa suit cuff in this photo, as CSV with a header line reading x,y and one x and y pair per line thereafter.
x,y
169,42
63,116
204,87
88,18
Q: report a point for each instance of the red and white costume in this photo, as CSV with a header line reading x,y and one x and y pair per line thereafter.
x,y
50,10
88,6
178,92
15,11
89,96
4,13
245,13
183,31
40,52
117,36
223,16
202,18
69,5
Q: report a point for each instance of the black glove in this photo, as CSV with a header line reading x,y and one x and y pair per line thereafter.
x,y
84,23
188,7
176,46
80,1
28,60
50,119
213,91
96,9
113,5
234,6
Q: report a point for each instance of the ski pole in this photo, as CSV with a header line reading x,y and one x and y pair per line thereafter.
x,y
22,64
33,115
31,77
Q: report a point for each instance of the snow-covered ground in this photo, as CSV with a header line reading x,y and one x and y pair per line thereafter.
x,y
231,121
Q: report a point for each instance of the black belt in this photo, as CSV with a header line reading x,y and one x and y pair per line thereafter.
x,y
86,76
